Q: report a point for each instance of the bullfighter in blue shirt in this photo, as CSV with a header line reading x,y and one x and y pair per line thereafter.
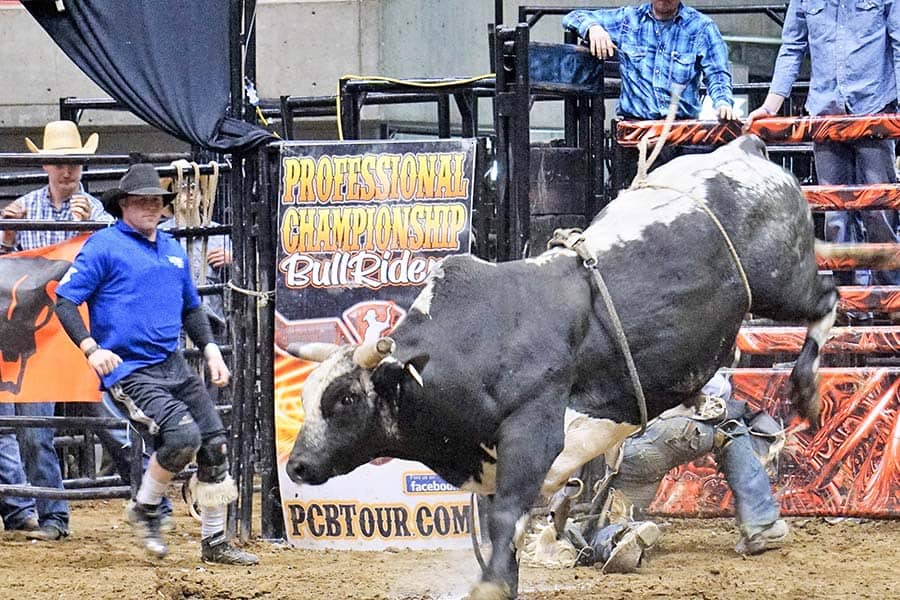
x,y
137,284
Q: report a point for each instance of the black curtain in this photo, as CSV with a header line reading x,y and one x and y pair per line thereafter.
x,y
166,60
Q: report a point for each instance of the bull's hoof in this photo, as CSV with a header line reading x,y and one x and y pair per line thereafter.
x,y
490,591
804,394
812,410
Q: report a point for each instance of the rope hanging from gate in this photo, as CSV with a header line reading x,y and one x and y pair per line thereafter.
x,y
262,298
207,185
645,162
195,197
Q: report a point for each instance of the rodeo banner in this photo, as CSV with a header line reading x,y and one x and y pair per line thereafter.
x,y
34,349
360,226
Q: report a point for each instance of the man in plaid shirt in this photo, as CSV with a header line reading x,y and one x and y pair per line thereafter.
x,y
661,44
62,199
30,453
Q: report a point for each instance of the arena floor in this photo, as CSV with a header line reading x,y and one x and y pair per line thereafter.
x,y
695,559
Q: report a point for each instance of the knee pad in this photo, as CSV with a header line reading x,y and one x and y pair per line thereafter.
x,y
215,487
178,447
212,459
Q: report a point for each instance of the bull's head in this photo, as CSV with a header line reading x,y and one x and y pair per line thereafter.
x,y
351,407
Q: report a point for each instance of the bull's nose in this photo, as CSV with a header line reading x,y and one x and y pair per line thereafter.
x,y
297,470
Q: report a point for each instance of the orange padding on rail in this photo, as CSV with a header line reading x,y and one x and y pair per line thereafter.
x,y
853,197
881,257
876,298
773,130
842,340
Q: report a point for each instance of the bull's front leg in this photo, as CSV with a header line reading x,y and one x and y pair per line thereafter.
x,y
527,444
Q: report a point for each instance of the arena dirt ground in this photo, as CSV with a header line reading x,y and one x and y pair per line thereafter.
x,y
100,560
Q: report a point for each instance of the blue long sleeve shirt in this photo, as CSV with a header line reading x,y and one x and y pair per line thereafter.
x,y
854,48
654,55
136,291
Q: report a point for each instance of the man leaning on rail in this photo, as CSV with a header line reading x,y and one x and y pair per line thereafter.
x,y
661,45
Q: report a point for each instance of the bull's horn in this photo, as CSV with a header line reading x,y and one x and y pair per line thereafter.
x,y
370,354
313,351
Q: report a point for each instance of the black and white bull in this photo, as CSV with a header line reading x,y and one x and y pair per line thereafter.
x,y
26,306
505,378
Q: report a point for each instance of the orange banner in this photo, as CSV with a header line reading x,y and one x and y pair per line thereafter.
x,y
38,362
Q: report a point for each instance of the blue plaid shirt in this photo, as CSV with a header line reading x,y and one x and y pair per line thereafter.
x,y
39,207
654,54
852,46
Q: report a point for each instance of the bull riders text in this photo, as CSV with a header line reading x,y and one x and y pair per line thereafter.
x,y
361,242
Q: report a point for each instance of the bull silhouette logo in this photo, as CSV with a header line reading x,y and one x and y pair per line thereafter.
x,y
25,307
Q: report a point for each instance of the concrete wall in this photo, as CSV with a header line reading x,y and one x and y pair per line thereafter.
x,y
303,47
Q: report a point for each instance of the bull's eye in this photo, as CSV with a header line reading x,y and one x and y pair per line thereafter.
x,y
342,397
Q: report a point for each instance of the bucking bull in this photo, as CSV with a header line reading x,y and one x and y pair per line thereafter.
x,y
506,378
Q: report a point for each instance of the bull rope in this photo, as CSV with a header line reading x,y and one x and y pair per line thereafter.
x,y
573,239
645,162
640,182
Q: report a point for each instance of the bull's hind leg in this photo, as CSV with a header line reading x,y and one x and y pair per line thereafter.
x,y
804,380
805,374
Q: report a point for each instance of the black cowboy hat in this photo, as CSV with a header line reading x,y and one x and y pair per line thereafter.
x,y
141,179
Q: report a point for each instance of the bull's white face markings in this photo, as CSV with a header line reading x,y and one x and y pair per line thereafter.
x,y
586,439
314,427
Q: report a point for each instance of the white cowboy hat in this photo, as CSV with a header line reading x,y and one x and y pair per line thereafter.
x,y
62,137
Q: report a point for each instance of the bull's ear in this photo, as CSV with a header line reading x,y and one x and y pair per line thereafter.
x,y
386,378
389,375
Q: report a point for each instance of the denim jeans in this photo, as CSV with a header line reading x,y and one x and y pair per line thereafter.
x,y
41,466
675,440
754,507
858,163
14,510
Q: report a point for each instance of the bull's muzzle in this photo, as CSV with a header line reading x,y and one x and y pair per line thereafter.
x,y
301,471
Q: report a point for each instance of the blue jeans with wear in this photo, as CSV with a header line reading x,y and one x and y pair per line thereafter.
x,y
859,162
31,447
